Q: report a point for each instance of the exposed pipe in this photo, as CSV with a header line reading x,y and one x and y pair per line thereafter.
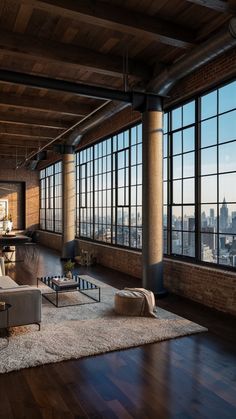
x,y
94,120
31,155
199,56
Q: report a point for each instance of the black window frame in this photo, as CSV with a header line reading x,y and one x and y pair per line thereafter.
x,y
116,229
198,176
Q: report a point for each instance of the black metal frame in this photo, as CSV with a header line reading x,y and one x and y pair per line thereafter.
x,y
82,286
114,188
198,176
54,208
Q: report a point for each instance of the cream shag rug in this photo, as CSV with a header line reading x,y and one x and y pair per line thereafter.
x,y
90,329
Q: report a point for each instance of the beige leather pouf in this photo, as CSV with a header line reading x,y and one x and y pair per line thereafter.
x,y
130,303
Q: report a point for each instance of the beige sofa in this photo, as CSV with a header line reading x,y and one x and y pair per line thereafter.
x,y
26,301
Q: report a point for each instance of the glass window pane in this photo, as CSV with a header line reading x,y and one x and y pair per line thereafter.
x,y
177,167
189,217
188,139
165,241
177,191
227,127
209,132
227,189
188,164
165,122
165,216
189,113
165,169
177,142
227,97
165,145
176,242
227,157
188,191
209,160
209,105
177,218
189,244
209,189
165,192
176,118
209,247
209,218
227,247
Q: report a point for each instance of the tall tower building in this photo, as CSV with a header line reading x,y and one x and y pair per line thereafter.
x,y
224,216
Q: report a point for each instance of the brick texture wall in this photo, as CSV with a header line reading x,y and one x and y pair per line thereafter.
x,y
215,288
123,260
51,240
208,76
31,181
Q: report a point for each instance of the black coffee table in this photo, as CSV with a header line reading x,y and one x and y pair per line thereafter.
x,y
60,285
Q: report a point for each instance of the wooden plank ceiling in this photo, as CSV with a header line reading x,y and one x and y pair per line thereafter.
x,y
98,43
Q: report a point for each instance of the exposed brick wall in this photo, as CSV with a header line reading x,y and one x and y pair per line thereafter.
x,y
31,180
51,240
208,76
213,287
111,125
123,260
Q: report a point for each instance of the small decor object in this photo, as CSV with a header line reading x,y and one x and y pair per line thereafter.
x,y
69,266
7,223
2,305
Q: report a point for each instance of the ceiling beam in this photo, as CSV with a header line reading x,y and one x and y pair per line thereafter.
x,y
119,19
21,120
69,56
8,153
22,138
79,89
44,104
217,5
25,145
30,131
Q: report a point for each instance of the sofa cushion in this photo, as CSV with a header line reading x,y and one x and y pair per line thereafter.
x,y
6,282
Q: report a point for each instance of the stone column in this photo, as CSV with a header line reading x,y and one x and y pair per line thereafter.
x,y
68,204
152,197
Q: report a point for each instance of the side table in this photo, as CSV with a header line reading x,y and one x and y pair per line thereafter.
x,y
6,309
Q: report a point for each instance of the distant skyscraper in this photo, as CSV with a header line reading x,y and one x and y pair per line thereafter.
x,y
209,239
212,217
233,214
233,224
224,216
212,213
191,236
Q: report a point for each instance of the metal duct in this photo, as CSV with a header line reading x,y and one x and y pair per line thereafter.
x,y
199,56
111,109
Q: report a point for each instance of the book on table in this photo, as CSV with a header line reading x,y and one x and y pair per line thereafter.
x,y
64,282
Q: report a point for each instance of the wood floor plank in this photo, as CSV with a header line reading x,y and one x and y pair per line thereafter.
x,y
191,377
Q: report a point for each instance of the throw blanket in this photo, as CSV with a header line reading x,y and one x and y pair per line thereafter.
x,y
148,306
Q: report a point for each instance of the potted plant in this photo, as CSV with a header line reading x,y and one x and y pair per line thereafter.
x,y
69,266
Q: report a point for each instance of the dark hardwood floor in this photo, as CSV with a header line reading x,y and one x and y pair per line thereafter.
x,y
185,378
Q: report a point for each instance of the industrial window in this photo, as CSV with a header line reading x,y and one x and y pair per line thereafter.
x,y
200,177
51,198
109,190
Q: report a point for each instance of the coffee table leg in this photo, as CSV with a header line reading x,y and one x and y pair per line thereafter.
x,y
7,322
57,298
